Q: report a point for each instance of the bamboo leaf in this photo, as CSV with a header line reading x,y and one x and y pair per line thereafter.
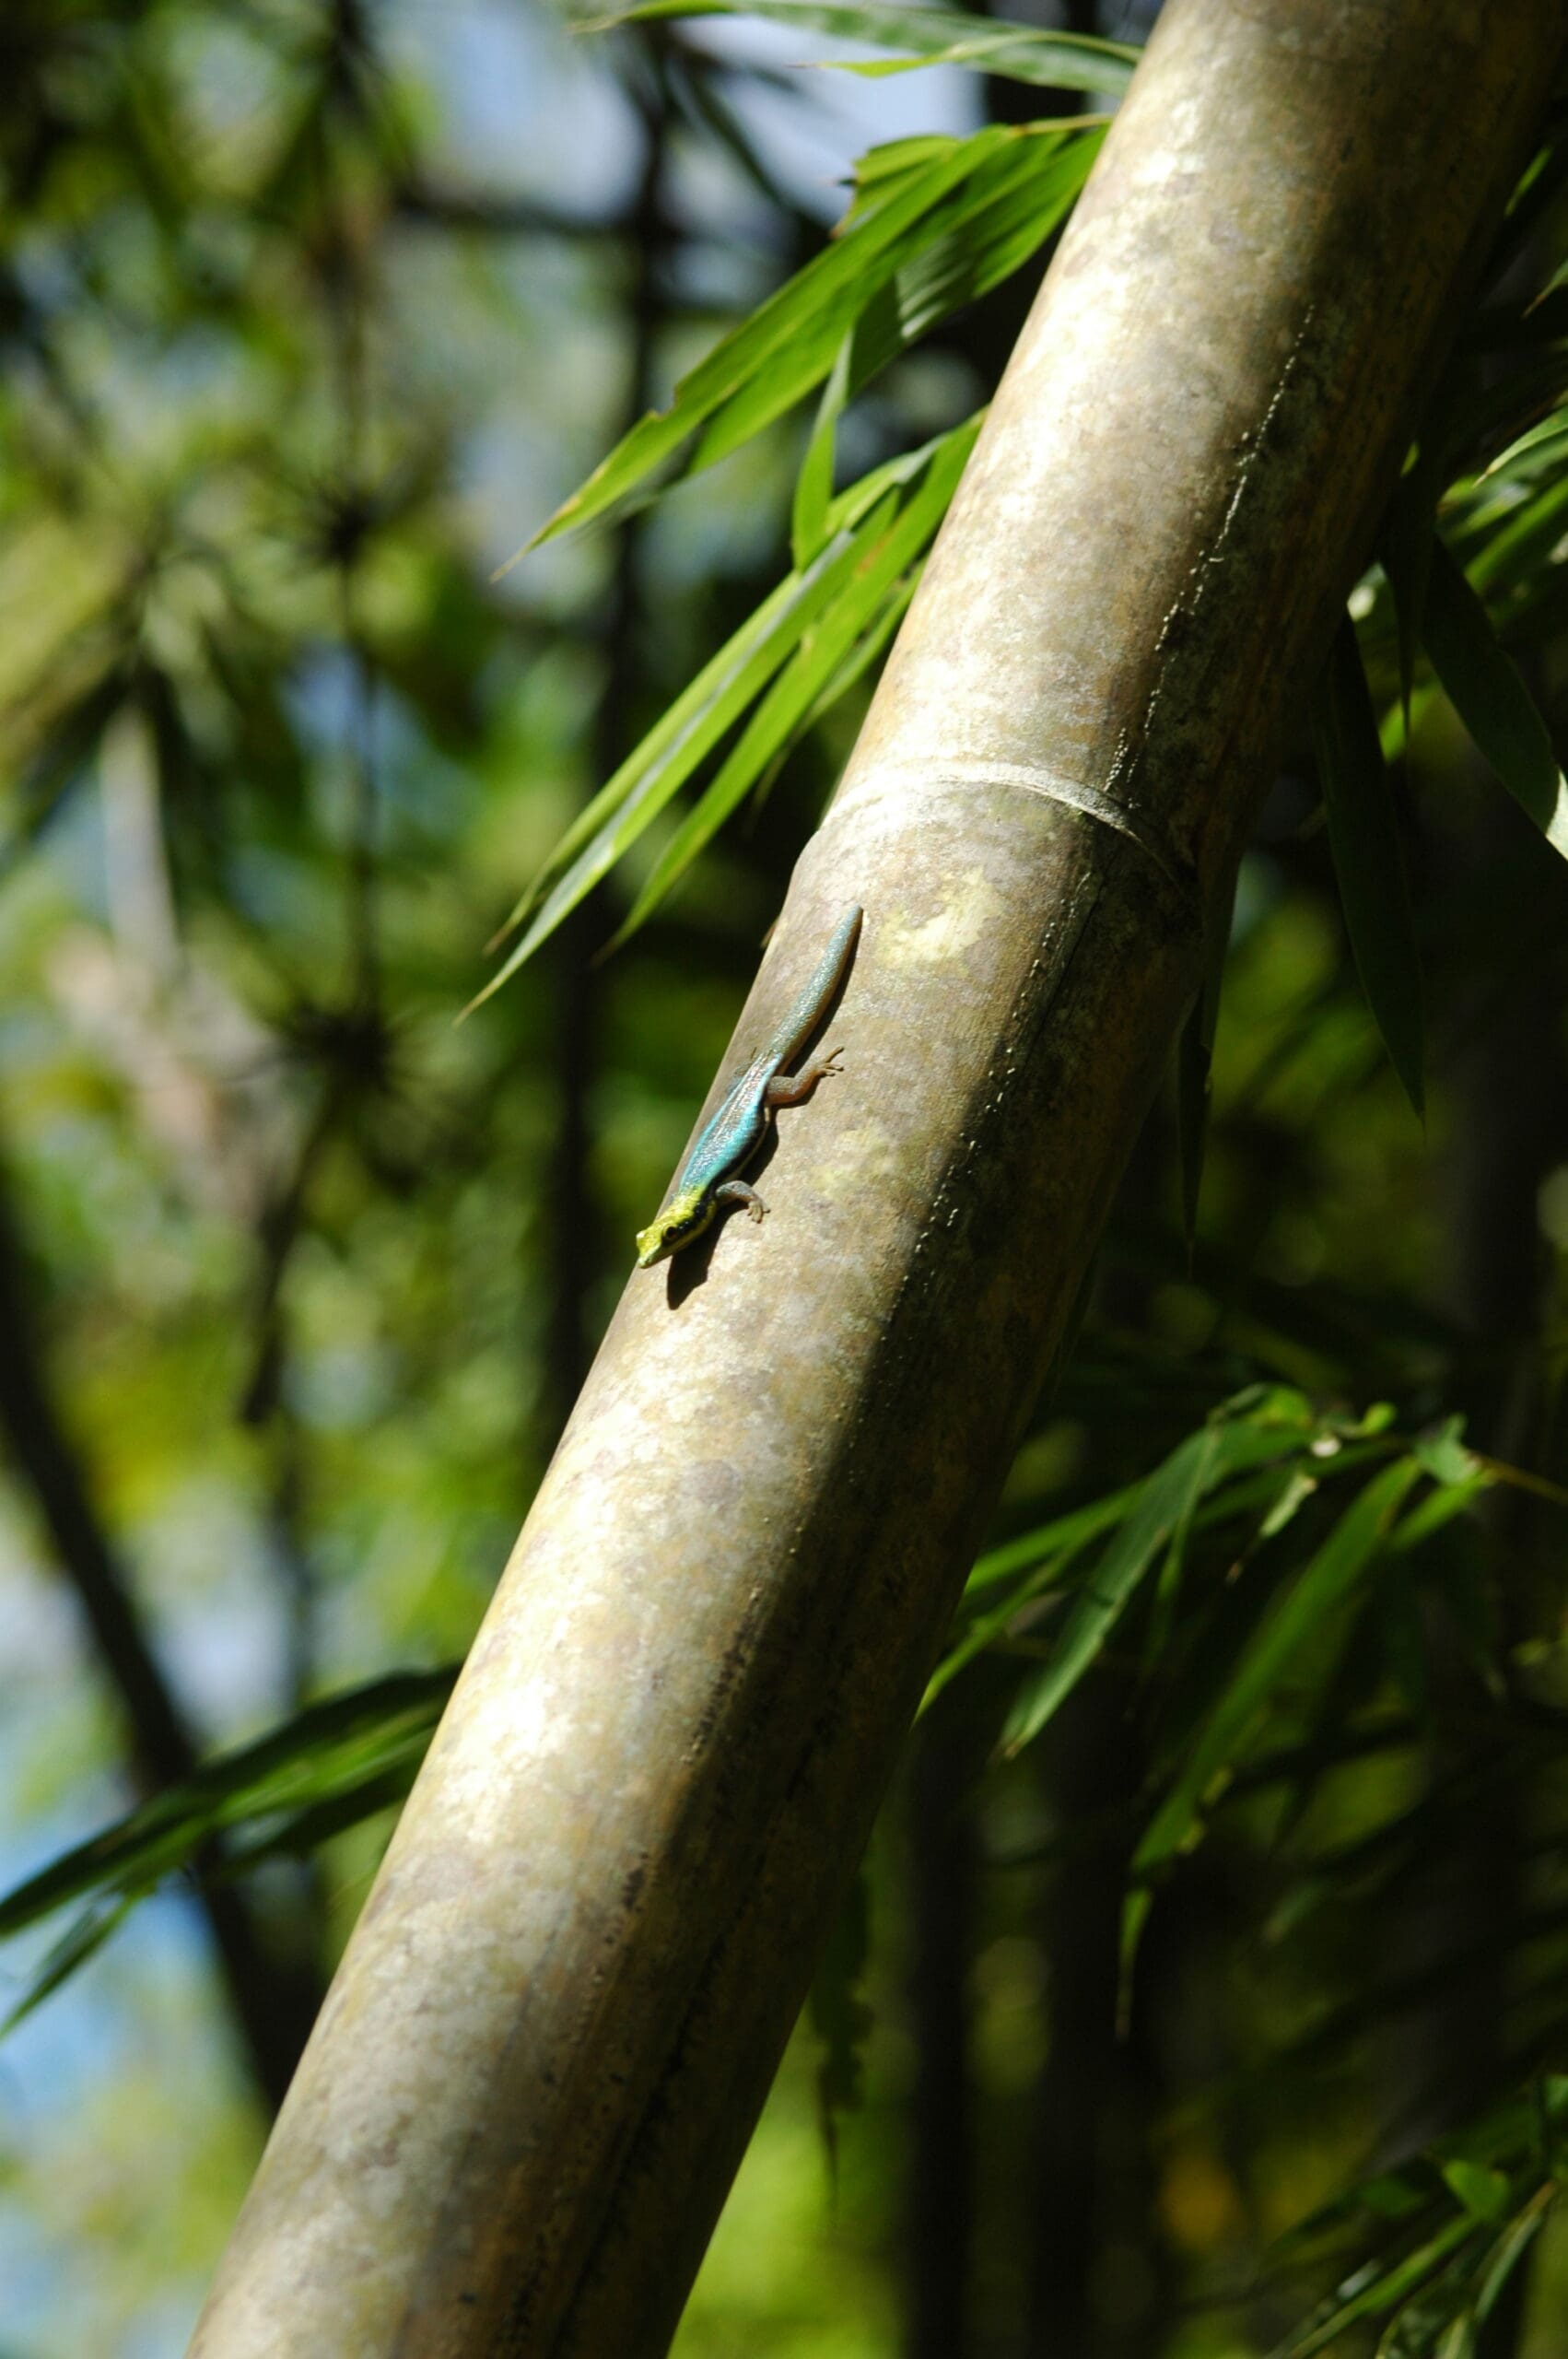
x,y
1510,2250
1441,1452
333,1748
1065,1535
968,197
1483,2192
1294,1619
1490,698
796,697
1166,1503
813,484
80,1941
659,766
1365,840
1374,2289
1439,1506
937,36
878,526
1167,1496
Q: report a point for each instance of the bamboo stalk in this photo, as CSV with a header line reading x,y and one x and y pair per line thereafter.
x,y
548,2041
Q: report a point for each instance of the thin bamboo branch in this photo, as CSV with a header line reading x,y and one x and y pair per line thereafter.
x,y
546,2046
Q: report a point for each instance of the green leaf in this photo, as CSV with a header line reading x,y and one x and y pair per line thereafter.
x,y
1510,2250
821,658
1164,1506
1508,541
1043,1558
983,203
1291,1620
1541,447
1062,1538
79,1941
658,767
1365,840
1487,692
1440,1507
1166,1497
1374,2289
1484,2192
813,484
878,528
1442,1454
335,1750
938,36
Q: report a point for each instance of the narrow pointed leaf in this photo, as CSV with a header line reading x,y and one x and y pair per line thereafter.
x,y
327,1749
81,1941
1487,692
1365,840
959,194
783,714
1168,1496
720,695
1374,2290
1511,2247
1168,1501
1293,1620
813,484
1482,2190
870,517
937,36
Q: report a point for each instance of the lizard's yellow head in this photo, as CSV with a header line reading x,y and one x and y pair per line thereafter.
x,y
686,1217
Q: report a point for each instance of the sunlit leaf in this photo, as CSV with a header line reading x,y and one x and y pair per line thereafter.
x,y
813,484
821,658
811,631
931,235
938,36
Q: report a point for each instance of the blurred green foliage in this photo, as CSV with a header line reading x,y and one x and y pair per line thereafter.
x,y
1254,1726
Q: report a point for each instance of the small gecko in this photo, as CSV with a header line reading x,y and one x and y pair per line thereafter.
x,y
709,1177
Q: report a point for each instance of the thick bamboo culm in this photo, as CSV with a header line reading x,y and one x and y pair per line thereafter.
x,y
548,2041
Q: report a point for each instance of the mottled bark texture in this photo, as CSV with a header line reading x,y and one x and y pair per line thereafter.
x,y
549,2039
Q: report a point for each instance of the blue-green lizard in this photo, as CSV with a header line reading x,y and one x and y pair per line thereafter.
x,y
709,1177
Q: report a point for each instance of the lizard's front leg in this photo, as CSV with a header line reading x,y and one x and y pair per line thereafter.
x,y
735,1192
